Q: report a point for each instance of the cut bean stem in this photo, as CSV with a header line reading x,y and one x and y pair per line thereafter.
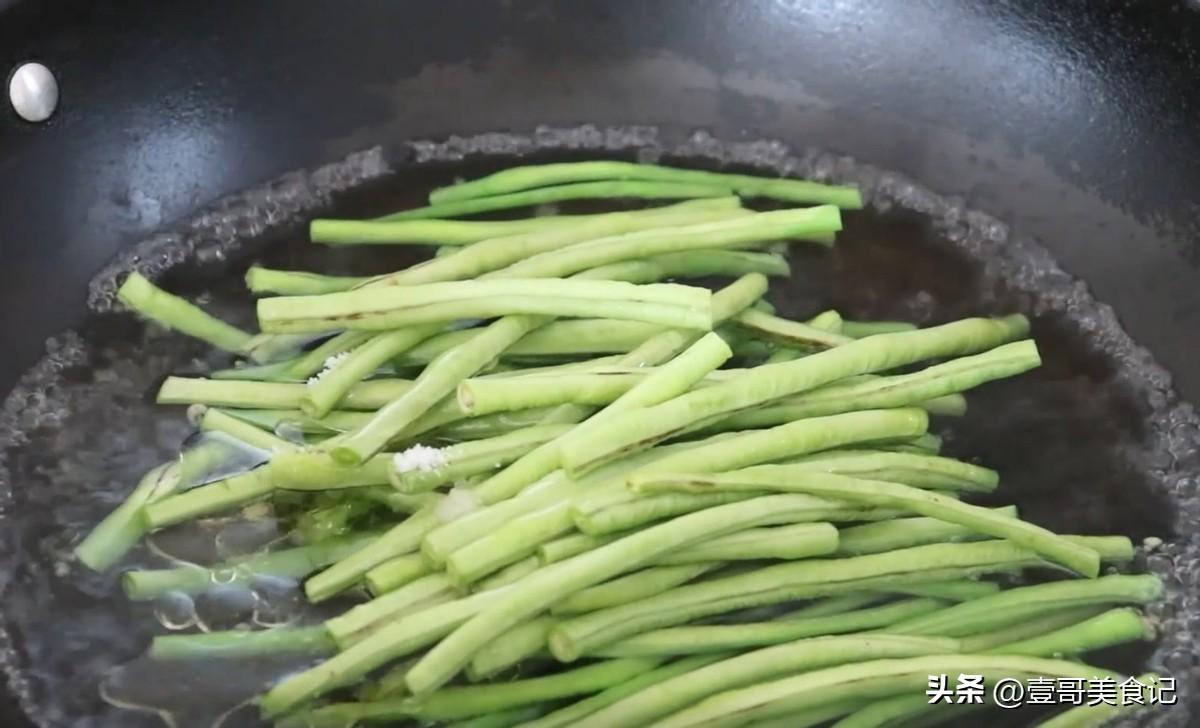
x,y
326,390
395,573
519,643
292,563
240,644
475,457
297,283
122,528
150,301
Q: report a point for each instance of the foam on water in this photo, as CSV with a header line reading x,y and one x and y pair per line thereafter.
x,y
1093,442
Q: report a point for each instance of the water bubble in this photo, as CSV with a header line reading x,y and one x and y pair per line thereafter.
x,y
279,601
175,611
243,537
291,431
211,456
225,607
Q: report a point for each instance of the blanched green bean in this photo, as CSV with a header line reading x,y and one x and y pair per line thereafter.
x,y
782,478
800,656
297,283
722,637
739,232
519,643
1015,605
559,193
538,176
294,563
781,583
549,585
875,678
631,588
395,573
382,308
150,301
239,643
763,384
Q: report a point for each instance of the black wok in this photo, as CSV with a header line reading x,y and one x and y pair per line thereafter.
x,y
1070,125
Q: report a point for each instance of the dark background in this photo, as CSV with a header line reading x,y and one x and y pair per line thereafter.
x,y
1074,121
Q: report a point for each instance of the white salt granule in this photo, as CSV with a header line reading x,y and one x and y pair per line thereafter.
x,y
419,457
330,364
457,503
336,359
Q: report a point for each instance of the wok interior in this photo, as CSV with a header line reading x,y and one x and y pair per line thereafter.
x,y
1071,441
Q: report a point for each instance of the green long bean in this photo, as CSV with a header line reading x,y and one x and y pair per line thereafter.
x,y
471,458
548,585
544,460
781,583
261,280
800,656
874,538
382,308
536,176
442,232
765,383
358,622
560,193
240,644
875,678
401,539
465,701
632,587
150,301
789,333
722,637
272,395
121,529
294,563
395,573
500,251
519,643
756,229
918,470
781,478
798,541
569,715
1015,605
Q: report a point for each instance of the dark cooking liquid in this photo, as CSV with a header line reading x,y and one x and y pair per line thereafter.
x,y
1079,444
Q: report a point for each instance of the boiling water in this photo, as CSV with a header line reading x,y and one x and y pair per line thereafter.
x,y
1093,442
